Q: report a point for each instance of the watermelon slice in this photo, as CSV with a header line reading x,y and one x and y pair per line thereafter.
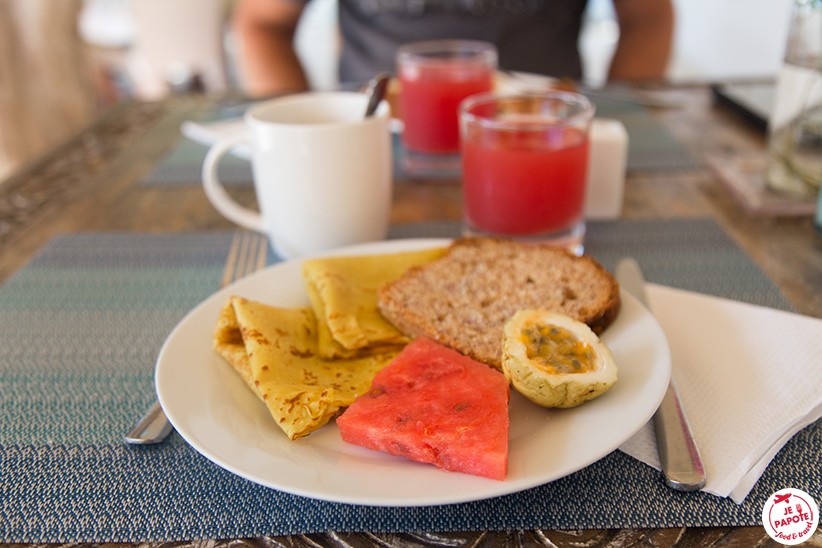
x,y
434,405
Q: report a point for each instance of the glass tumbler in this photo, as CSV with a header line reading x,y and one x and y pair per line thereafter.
x,y
525,162
435,76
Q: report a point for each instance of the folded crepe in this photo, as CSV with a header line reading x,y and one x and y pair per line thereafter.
x,y
274,350
343,295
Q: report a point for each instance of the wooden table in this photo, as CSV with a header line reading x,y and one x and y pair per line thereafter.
x,y
92,183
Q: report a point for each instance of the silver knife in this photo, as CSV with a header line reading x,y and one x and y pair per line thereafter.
x,y
678,452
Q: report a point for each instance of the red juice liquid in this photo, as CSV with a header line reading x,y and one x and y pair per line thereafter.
x,y
524,182
431,94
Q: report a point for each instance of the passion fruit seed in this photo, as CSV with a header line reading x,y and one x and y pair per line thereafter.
x,y
557,350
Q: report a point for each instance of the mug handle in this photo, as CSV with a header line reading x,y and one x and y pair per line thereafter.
x,y
216,193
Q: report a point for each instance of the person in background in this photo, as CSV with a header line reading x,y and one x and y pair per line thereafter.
x,y
538,36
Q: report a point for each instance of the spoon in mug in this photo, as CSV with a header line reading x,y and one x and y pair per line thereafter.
x,y
376,92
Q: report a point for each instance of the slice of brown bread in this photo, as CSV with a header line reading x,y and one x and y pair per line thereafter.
x,y
464,299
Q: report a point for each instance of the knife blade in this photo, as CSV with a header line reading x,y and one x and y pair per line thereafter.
x,y
678,452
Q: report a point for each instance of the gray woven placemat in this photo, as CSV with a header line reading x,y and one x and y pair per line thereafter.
x,y
80,328
183,164
651,147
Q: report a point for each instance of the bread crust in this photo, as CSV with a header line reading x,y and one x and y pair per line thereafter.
x,y
464,299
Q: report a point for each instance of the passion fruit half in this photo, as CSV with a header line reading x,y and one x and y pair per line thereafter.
x,y
554,360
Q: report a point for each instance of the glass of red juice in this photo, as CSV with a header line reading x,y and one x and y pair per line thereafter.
x,y
524,164
435,76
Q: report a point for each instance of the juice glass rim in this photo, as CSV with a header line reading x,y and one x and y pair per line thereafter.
x,y
434,51
582,117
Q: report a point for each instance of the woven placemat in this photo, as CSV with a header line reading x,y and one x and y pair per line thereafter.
x,y
183,165
651,147
80,329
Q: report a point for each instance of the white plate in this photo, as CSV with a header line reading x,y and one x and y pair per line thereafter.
x,y
213,410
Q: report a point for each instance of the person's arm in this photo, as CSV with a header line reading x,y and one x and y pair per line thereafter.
x,y
266,29
646,30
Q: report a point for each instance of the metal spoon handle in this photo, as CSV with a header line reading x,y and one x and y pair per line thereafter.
x,y
376,92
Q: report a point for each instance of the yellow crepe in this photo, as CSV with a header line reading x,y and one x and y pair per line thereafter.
x,y
275,351
228,343
343,294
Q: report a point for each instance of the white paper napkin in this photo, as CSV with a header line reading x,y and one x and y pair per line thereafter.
x,y
749,377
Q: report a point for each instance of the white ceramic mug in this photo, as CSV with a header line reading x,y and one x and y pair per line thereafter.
x,y
322,172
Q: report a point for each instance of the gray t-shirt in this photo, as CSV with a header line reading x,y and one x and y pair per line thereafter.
x,y
537,36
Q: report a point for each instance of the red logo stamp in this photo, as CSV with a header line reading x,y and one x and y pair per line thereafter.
x,y
790,516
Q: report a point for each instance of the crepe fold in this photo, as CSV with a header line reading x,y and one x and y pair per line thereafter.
x,y
343,295
274,350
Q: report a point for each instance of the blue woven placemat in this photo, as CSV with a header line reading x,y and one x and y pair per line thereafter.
x,y
651,147
80,328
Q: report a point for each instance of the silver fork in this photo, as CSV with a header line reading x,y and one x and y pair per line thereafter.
x,y
246,255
